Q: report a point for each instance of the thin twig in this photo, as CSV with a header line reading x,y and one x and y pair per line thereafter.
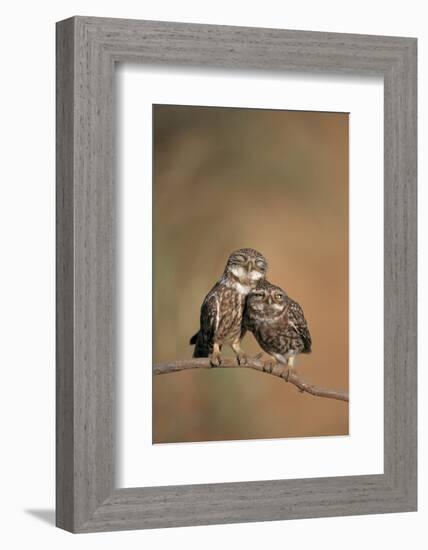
x,y
253,363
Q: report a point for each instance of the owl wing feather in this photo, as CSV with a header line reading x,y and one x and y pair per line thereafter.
x,y
298,324
209,316
204,339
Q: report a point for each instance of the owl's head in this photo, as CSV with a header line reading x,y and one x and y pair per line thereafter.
x,y
247,266
266,301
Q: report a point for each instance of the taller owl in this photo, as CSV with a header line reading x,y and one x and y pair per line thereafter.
x,y
223,307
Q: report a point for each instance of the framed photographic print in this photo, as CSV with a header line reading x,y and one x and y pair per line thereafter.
x,y
236,274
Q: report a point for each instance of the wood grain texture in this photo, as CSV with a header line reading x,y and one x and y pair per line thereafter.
x,y
64,278
87,49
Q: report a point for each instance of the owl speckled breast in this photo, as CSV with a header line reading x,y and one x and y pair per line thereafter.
x,y
229,323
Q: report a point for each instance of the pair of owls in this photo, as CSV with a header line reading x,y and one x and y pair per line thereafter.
x,y
241,300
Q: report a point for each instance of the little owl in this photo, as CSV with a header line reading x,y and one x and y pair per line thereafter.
x,y
277,323
222,309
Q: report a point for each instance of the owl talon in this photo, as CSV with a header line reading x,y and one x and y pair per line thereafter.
x,y
268,366
215,359
242,358
287,374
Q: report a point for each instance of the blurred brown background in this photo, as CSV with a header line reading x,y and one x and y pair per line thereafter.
x,y
276,181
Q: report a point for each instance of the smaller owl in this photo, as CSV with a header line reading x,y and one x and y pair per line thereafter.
x,y
277,322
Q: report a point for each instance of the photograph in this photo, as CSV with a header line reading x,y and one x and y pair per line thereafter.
x,y
250,264
210,326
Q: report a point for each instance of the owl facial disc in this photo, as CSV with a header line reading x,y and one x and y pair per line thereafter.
x,y
246,277
247,266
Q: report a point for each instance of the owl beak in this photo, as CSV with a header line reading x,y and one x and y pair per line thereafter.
x,y
270,301
250,266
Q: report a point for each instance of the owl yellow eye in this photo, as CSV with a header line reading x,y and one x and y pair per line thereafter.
x,y
278,296
257,295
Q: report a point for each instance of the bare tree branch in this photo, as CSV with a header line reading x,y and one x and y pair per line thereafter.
x,y
252,363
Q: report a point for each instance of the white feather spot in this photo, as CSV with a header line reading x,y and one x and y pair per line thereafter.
x,y
242,289
239,271
255,275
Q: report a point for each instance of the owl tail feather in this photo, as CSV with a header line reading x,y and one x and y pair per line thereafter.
x,y
201,347
193,339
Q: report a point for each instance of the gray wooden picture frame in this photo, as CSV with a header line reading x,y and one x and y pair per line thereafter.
x,y
87,50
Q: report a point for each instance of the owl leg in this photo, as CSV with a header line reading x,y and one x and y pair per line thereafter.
x,y
215,357
290,366
241,356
